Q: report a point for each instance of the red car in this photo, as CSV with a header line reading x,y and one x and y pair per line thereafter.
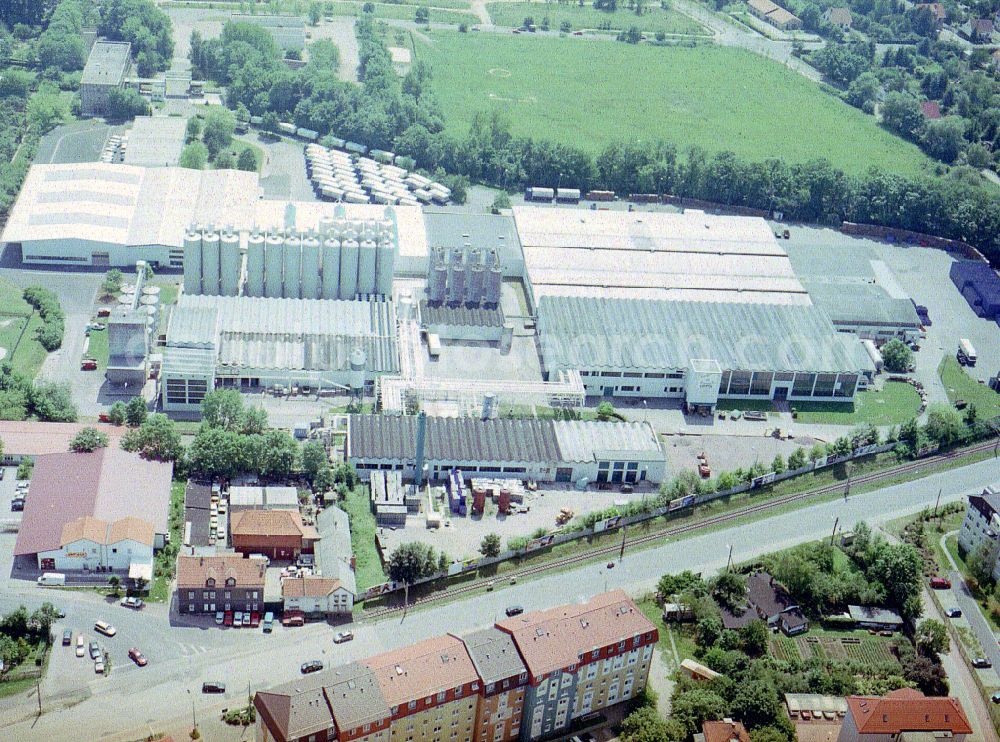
x,y
254,620
137,657
227,620
940,583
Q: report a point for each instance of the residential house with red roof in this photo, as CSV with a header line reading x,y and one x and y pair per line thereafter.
x,y
726,730
209,584
277,534
903,712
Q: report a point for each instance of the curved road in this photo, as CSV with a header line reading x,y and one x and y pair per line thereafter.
x,y
160,696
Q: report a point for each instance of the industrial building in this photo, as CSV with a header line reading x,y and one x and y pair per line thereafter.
x,y
107,68
155,141
253,343
103,511
130,332
979,285
288,31
691,256
102,214
527,678
543,450
700,351
856,290
339,259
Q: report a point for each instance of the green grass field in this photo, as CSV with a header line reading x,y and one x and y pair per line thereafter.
x,y
586,17
959,385
406,12
588,94
897,403
368,569
15,312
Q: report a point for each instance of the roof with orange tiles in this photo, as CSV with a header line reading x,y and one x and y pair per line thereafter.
x,y
270,523
132,528
195,571
28,438
107,484
297,709
91,529
422,670
308,587
725,731
907,710
552,639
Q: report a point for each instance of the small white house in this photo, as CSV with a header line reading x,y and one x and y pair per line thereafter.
x,y
316,595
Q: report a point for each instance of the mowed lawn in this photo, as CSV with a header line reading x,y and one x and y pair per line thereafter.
x,y
589,93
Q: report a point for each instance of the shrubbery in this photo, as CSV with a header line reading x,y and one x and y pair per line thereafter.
x,y
46,303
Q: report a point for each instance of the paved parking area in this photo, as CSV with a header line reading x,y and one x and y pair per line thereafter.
x,y
80,141
283,175
459,537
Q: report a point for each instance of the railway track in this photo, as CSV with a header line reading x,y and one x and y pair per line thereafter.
x,y
929,462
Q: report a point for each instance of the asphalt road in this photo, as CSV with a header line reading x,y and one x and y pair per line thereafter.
x,y
160,696
962,598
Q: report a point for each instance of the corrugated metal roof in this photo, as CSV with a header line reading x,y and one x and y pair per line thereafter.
x,y
453,439
306,334
333,550
585,440
862,303
460,316
188,361
589,333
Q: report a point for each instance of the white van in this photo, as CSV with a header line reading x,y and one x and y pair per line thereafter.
x,y
52,578
105,628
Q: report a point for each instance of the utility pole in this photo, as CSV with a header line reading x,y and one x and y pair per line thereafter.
x,y
938,501
621,554
38,692
729,562
836,522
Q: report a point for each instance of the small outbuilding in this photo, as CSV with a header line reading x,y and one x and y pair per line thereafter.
x,y
874,617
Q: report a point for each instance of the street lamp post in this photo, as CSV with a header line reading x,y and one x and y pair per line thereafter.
x,y
729,562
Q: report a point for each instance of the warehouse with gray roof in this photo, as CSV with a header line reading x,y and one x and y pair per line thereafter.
x,y
253,343
543,450
700,351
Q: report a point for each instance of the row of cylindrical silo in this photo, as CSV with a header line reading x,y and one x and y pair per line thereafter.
x,y
213,261
465,275
339,261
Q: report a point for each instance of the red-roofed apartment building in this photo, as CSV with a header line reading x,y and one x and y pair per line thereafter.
x,y
902,712
581,658
726,730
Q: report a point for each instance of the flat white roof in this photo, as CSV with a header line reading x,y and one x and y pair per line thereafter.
x,y
125,204
692,256
155,141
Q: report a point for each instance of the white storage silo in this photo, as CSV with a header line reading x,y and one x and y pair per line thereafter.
x,y
255,264
325,225
367,265
358,361
331,268
273,261
192,262
231,261
405,306
386,266
475,281
210,263
493,281
349,268
437,283
293,267
456,277
310,267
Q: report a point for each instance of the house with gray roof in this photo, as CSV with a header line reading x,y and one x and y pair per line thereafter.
x,y
543,450
107,67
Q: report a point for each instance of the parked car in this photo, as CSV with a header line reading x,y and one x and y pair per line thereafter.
x,y
611,565
133,603
99,666
228,619
295,618
105,628
80,648
254,620
213,686
311,666
514,610
246,619
67,637
940,583
137,657
95,650
995,698
953,613
268,622
981,662
219,618
238,619
343,636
